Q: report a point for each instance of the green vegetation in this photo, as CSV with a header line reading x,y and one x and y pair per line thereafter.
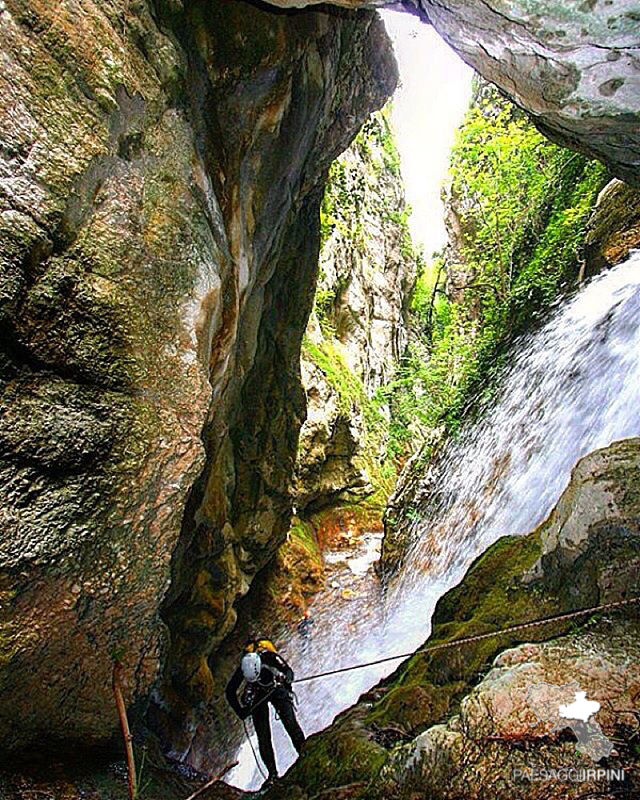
x,y
353,398
523,204
353,192
345,196
342,760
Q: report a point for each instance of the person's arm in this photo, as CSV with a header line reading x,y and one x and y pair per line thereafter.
x,y
275,661
231,693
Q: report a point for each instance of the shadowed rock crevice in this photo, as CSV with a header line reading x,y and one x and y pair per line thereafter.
x,y
274,103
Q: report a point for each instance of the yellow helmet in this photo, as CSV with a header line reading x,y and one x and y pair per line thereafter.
x,y
260,645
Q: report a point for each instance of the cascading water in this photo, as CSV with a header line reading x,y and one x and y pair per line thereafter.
x,y
573,386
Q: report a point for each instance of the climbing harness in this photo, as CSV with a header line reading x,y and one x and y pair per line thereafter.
x,y
253,707
247,734
445,646
479,637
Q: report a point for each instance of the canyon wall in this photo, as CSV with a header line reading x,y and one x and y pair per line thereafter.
x,y
358,330
161,175
162,170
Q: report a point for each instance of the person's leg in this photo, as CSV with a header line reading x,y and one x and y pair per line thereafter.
x,y
283,703
263,731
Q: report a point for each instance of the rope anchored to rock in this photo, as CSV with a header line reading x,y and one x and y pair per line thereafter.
x,y
477,638
582,612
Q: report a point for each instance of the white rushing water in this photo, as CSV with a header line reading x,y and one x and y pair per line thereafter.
x,y
572,386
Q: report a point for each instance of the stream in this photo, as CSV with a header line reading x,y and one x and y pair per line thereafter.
x,y
571,387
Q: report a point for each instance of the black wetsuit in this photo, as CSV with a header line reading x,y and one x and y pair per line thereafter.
x,y
273,686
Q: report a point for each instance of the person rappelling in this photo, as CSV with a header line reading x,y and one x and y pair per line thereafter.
x,y
264,677
305,626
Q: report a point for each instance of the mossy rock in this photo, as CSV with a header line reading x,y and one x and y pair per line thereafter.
x,y
349,757
516,580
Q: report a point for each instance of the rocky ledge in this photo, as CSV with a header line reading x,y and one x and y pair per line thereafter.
x,y
572,64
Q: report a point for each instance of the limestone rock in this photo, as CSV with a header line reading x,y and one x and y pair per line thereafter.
x,y
477,753
111,274
573,66
161,171
614,230
367,263
330,441
359,328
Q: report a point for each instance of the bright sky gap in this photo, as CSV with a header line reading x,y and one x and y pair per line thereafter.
x,y
433,94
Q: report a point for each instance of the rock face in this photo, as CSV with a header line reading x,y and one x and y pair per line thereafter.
x,y
367,263
433,729
161,172
614,229
359,326
355,335
328,470
113,252
480,752
572,65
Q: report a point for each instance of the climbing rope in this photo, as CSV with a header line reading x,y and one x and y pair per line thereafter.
x,y
248,735
253,750
447,645
477,638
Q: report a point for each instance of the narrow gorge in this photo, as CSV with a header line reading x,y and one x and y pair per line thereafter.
x,y
234,392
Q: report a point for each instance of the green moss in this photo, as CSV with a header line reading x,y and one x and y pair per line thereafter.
x,y
338,760
491,596
302,534
348,386
411,706
353,397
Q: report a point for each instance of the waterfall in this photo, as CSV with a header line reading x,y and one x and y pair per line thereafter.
x,y
571,387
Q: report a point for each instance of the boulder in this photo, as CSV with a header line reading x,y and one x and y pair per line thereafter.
x,y
614,229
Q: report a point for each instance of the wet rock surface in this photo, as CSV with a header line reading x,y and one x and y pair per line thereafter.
x,y
161,173
108,259
614,230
